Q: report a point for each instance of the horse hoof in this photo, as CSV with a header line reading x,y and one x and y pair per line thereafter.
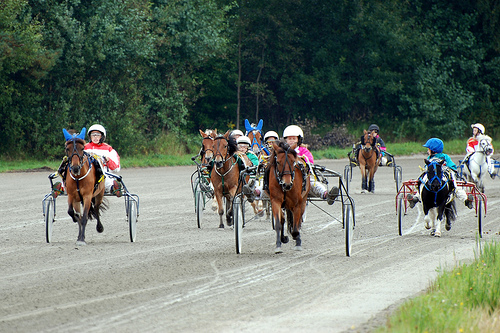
x,y
298,248
80,243
363,191
221,226
437,234
285,239
427,226
100,228
278,250
433,232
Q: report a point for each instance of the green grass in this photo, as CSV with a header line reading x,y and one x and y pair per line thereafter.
x,y
455,147
464,299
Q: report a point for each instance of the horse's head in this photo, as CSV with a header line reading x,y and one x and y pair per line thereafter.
x,y
255,137
367,141
484,145
436,179
284,159
224,147
207,146
75,153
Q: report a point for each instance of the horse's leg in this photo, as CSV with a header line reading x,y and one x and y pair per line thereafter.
x,y
220,204
97,205
229,211
364,185
278,224
432,220
297,216
439,219
82,223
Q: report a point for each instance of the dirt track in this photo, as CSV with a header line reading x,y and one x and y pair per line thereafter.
x,y
179,278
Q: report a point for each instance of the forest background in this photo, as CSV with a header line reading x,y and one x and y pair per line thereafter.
x,y
156,71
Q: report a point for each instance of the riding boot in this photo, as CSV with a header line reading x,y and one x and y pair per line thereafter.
x,y
63,167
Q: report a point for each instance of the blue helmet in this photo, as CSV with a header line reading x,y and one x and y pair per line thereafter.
x,y
434,144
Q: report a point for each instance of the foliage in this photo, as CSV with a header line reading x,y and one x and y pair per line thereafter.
x,y
146,69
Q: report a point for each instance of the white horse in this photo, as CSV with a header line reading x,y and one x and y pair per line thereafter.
x,y
476,165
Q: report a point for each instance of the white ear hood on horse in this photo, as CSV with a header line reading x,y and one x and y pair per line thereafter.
x,y
80,135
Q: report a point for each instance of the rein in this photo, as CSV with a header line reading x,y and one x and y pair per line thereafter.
x,y
224,161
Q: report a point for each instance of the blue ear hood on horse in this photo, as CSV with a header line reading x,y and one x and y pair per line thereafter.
x,y
80,135
249,127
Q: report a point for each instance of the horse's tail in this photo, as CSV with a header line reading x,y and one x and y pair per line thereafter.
x,y
450,211
95,213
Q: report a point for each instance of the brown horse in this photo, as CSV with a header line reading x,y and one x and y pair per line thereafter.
x,y
83,188
225,175
289,186
369,159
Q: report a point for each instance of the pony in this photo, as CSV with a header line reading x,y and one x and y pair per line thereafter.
x,y
254,133
437,203
476,165
288,188
82,186
206,150
369,160
225,175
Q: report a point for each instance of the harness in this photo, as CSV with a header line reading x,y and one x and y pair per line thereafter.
x,y
279,175
442,182
225,159
90,160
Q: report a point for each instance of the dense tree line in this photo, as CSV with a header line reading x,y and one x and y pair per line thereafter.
x,y
147,68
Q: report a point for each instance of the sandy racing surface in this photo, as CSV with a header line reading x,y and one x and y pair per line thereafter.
x,y
178,278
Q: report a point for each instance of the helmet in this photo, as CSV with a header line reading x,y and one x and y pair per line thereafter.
x,y
236,132
479,126
373,127
100,128
271,134
293,130
435,145
244,139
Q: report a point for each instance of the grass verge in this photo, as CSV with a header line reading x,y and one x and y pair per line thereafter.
x,y
464,299
455,147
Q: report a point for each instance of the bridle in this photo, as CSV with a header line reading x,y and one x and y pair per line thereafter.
x,y
203,151
74,171
255,142
280,173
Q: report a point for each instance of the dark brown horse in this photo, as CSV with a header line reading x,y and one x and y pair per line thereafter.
x,y
83,188
369,159
225,175
289,186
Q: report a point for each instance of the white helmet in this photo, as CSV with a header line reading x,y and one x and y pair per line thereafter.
x,y
237,132
97,127
244,139
293,130
271,134
479,126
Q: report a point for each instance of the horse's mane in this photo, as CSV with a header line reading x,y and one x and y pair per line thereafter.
x,y
233,146
77,140
284,146
483,136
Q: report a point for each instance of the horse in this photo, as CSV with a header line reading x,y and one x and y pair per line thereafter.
x,y
289,186
435,188
476,165
254,133
206,151
369,160
82,186
225,175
